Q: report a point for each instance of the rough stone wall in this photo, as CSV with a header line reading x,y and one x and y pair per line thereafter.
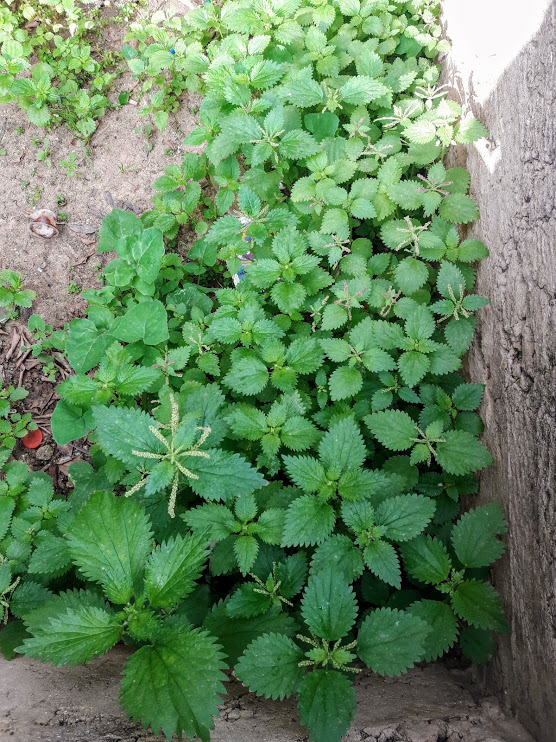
x,y
503,67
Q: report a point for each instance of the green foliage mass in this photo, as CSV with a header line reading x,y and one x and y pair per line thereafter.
x,y
51,64
277,467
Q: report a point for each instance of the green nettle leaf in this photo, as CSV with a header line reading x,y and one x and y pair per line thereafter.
x,y
338,552
223,475
109,542
246,549
426,559
478,604
75,636
444,626
51,555
345,382
342,447
329,607
405,516
461,453
175,685
391,641
326,705
474,536
172,568
247,376
235,634
393,428
122,430
270,666
7,505
478,645
458,208
308,521
411,274
381,558
306,472
11,638
304,421
468,397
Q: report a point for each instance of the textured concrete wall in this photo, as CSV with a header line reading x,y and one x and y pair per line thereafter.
x,y
503,67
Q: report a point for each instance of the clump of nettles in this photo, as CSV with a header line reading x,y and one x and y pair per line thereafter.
x,y
293,449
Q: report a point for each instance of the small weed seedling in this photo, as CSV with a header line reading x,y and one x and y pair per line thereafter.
x,y
70,165
12,293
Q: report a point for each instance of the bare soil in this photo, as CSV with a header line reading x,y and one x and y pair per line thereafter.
x,y
39,702
80,704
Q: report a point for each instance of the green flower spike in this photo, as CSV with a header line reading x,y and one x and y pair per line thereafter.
x,y
178,447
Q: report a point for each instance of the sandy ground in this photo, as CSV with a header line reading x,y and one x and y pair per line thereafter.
x,y
434,704
38,702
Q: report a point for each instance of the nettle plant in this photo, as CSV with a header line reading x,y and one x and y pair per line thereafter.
x,y
277,467
50,65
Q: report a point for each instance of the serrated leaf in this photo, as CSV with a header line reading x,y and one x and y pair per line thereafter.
x,y
75,636
443,626
469,130
413,367
474,536
361,89
391,641
297,144
11,637
461,453
217,520
109,542
27,596
411,274
478,645
458,209
223,475
247,422
339,553
393,428
7,505
342,447
51,555
329,607
247,601
298,433
326,705
344,382
478,604
308,521
122,430
172,568
381,558
235,634
405,516
468,396
146,322
175,685
306,472
270,666
303,92
426,559
248,376
245,550
459,335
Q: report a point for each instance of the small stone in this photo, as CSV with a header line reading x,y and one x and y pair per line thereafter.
x,y
44,453
388,735
233,715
